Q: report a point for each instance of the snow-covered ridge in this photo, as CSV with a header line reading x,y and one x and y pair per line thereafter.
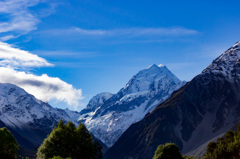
x,y
98,100
144,91
227,63
20,109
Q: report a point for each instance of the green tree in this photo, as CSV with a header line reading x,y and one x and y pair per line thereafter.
x,y
238,127
8,144
167,151
229,136
68,141
211,147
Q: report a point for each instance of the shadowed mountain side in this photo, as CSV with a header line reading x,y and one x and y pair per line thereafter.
x,y
176,119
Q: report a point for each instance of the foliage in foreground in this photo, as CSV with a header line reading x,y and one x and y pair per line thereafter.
x,y
68,141
167,151
226,147
170,151
8,144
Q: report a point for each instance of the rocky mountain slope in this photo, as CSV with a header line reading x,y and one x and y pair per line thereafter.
x,y
201,110
107,116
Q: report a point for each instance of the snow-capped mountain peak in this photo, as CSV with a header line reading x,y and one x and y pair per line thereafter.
x,y
144,91
148,78
154,66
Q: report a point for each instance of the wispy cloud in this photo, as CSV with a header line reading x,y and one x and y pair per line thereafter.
x,y
134,32
19,19
17,58
43,87
65,53
7,37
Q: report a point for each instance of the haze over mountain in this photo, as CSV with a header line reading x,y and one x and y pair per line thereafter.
x,y
201,110
107,115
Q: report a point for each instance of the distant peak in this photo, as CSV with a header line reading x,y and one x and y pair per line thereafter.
x,y
152,66
161,65
144,78
156,66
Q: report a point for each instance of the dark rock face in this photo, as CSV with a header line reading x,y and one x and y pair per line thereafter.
x,y
204,108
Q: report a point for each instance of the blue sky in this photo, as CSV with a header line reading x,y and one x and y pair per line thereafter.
x,y
79,48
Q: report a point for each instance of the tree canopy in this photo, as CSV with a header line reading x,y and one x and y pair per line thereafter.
x,y
66,140
8,144
167,151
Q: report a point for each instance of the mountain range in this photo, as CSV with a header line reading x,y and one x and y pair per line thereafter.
x,y
107,115
31,120
153,108
202,110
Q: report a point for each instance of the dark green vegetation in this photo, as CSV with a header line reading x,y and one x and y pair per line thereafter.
x,y
226,147
170,151
8,144
167,151
69,141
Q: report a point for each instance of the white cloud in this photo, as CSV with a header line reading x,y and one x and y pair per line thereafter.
x,y
173,31
69,54
14,57
7,37
10,6
43,87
